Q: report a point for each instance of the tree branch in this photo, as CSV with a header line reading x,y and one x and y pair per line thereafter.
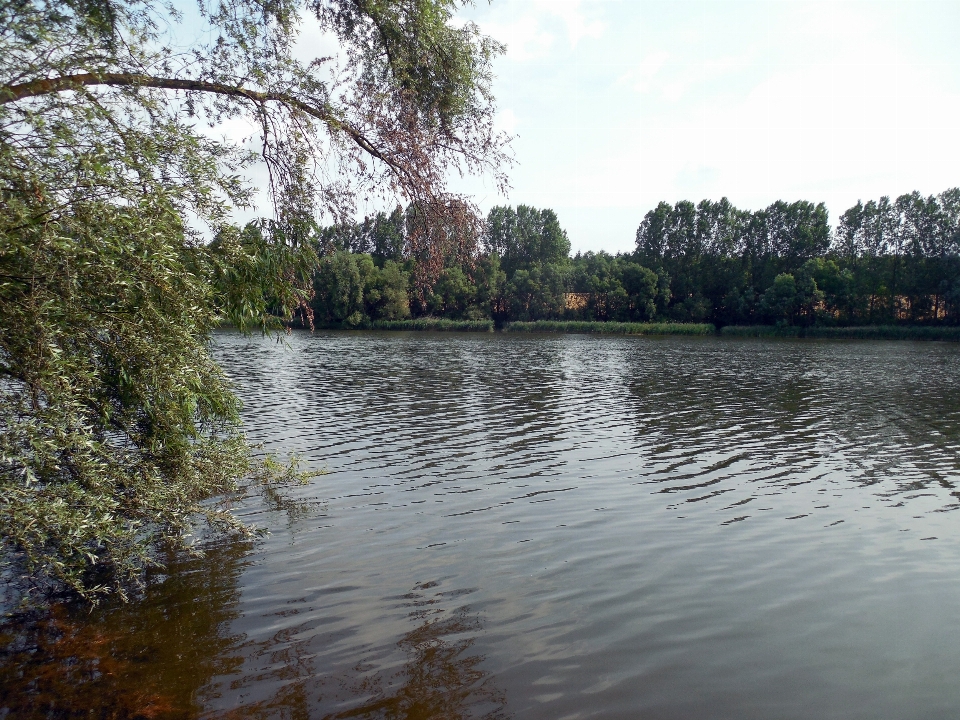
x,y
47,86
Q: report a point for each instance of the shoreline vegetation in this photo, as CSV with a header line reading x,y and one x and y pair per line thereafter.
x,y
887,269
121,437
581,327
869,332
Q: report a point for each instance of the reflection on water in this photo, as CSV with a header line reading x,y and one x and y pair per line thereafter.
x,y
564,526
440,679
146,660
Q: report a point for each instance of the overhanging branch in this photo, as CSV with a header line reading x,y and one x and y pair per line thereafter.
x,y
46,86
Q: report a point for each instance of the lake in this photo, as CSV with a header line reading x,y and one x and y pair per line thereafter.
x,y
538,526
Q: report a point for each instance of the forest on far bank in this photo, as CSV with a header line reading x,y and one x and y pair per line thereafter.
x,y
886,262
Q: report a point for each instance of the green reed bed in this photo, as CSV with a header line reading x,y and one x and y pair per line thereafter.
x,y
610,328
870,332
442,324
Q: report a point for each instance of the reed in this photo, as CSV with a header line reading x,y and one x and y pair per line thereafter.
x,y
868,332
431,323
610,328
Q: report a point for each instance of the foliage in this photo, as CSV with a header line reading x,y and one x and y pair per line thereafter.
x,y
350,290
431,323
526,237
610,328
888,262
871,332
386,293
116,423
618,288
339,281
116,427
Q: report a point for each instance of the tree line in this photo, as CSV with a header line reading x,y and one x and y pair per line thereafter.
x,y
887,261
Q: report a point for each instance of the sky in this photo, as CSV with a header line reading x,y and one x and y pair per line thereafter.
x,y
616,105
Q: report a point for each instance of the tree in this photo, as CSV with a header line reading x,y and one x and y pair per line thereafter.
x,y
640,283
115,424
525,237
385,296
452,295
386,236
339,283
792,299
491,284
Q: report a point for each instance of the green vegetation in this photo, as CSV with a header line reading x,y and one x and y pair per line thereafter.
x,y
610,328
870,332
429,323
887,263
521,270
118,256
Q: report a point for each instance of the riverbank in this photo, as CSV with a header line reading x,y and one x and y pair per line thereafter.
x,y
869,332
610,328
432,323
585,327
548,326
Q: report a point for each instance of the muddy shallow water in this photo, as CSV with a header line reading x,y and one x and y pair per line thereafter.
x,y
541,526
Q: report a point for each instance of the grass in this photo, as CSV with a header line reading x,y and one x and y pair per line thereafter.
x,y
610,328
431,323
870,332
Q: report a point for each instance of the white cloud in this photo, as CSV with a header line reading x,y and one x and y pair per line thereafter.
x,y
524,36
757,101
532,29
640,77
574,16
618,105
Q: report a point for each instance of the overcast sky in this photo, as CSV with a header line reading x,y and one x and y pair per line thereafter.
x,y
618,104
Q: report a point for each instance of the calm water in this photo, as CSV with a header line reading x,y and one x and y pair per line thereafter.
x,y
565,527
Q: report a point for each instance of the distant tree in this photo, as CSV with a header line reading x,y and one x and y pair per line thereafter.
x,y
641,286
339,283
791,300
780,303
385,293
525,237
387,241
652,235
452,295
491,288
836,290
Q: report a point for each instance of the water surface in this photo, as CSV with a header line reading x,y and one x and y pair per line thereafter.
x,y
571,527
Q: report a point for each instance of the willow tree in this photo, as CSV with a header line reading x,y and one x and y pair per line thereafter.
x,y
116,427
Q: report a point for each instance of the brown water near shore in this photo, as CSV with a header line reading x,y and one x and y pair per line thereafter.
x,y
555,527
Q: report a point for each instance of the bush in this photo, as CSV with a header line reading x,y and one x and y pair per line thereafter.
x,y
432,323
870,332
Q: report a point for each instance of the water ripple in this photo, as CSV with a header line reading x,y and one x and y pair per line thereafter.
x,y
628,519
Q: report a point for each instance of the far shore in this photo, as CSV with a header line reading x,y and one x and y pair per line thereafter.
x,y
867,332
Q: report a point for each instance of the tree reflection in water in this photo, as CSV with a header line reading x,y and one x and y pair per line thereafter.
x,y
441,680
159,657
148,659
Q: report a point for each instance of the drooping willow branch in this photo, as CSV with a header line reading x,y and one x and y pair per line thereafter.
x,y
46,86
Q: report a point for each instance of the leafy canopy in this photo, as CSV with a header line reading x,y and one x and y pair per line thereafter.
x,y
116,427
